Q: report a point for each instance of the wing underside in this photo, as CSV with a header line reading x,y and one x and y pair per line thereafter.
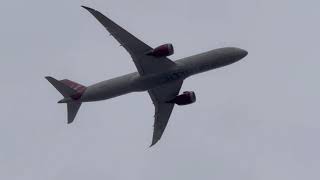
x,y
136,48
163,110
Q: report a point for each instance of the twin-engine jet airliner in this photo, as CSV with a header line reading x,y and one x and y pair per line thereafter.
x,y
157,74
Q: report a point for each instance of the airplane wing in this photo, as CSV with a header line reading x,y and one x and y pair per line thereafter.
x,y
135,47
160,96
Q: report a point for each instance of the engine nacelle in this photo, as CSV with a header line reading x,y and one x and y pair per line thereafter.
x,y
162,51
187,97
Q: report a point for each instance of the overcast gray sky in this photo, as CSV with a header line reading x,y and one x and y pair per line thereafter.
x,y
257,119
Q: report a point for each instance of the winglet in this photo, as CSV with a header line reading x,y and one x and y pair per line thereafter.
x,y
88,8
156,137
153,143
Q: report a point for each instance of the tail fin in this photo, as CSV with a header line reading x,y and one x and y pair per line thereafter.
x,y
71,92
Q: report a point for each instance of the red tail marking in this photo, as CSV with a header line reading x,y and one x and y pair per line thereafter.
x,y
77,87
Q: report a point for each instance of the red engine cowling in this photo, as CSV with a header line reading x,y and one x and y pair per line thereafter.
x,y
162,51
187,97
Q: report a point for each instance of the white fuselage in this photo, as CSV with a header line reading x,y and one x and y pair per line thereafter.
x,y
185,67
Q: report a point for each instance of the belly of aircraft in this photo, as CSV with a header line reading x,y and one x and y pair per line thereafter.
x,y
109,89
129,83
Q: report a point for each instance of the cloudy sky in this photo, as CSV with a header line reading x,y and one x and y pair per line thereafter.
x,y
257,119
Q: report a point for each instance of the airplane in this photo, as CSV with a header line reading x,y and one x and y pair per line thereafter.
x,y
161,77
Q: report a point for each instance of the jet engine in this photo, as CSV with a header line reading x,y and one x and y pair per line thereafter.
x,y
161,51
187,97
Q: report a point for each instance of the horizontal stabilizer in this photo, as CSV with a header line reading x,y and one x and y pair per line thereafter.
x,y
65,90
73,108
